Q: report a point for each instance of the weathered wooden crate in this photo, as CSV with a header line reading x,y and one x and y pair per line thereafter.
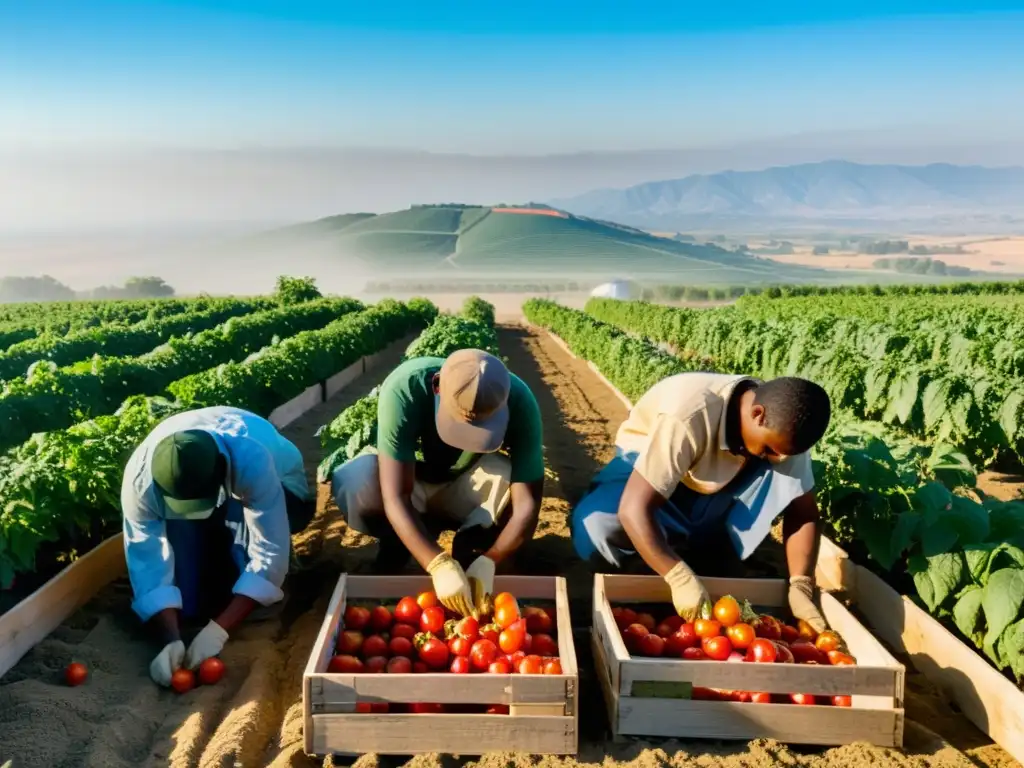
x,y
651,697
543,709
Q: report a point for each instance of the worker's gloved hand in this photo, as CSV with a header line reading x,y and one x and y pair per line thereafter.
x,y
801,602
481,582
451,585
208,643
688,594
167,662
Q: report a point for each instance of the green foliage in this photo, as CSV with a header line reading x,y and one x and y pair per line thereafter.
x,y
296,290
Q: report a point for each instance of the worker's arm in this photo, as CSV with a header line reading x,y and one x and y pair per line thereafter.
x,y
801,532
525,501
637,509
396,485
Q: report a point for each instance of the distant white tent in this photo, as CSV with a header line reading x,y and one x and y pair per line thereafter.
x,y
616,289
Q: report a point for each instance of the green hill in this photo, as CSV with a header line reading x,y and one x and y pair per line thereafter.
x,y
471,241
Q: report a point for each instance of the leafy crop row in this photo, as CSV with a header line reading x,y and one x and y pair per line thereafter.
x,y
49,398
913,508
355,427
65,485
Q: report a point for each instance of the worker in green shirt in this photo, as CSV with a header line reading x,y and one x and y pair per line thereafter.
x,y
460,440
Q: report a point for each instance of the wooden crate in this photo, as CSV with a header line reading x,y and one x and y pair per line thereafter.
x,y
651,697
543,714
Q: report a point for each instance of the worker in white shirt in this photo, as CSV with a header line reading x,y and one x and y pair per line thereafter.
x,y
210,500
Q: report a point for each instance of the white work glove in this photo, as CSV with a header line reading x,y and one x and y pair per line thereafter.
x,y
481,581
801,602
167,662
688,594
208,643
451,584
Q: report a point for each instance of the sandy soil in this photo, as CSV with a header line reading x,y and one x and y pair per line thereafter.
x,y
119,718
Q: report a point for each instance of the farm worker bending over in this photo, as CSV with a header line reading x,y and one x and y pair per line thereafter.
x,y
209,499
708,457
440,425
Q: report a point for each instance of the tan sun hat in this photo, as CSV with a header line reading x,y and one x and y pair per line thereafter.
x,y
472,401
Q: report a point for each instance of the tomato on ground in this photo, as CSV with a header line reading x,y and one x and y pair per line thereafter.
x,y
183,680
211,671
75,674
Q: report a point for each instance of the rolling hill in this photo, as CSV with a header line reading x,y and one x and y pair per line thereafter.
x,y
834,192
473,241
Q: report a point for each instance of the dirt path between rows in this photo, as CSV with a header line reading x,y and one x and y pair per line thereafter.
x,y
254,718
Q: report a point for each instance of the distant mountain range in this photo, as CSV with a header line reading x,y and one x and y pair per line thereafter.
x,y
835,193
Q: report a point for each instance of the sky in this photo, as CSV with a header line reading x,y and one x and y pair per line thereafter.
x,y
491,78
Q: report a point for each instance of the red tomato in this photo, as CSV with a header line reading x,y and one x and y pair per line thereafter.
x,y
762,651
707,628
183,680
527,644
839,659
804,699
545,645
505,598
624,617
664,630
500,666
740,635
727,611
515,659
537,620
75,674
647,620
376,663
374,645
553,667
211,671
460,665
827,641
482,654
408,611
426,709
704,694
404,630
434,653
380,618
350,641
356,617
400,646
716,648
790,634
511,640
468,628
426,600
345,664
783,654
531,665
399,665
632,634
419,668
459,646
650,645
379,707
842,701
432,620
490,632
677,642
674,621
506,615
767,627
761,698
498,709
694,654
804,652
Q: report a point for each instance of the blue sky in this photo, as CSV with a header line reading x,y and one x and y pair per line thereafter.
x,y
529,77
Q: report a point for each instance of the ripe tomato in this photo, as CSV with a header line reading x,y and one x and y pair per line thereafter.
x,y
426,600
490,632
664,630
531,665
762,651
376,664
482,654
716,648
404,630
783,654
694,654
650,645
506,615
500,666
460,665
545,645
426,709
514,659
624,617
399,665
727,611
827,641
804,652
760,697
350,641
459,646
75,674
767,627
356,617
806,631
432,620
511,640
804,699
842,701
537,620
374,645
790,634
632,633
839,659
183,680
419,668
346,664
740,635
468,628
433,653
380,618
647,620
707,628
497,709
400,646
211,671
677,642
553,667
505,598
527,644
408,610
699,693
674,621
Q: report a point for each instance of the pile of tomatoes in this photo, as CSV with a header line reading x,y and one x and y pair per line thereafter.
x,y
419,635
727,631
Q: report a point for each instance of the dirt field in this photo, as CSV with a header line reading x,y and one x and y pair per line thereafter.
x,y
253,718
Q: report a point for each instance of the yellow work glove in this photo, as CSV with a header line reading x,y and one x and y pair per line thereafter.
x,y
801,602
688,594
451,585
481,581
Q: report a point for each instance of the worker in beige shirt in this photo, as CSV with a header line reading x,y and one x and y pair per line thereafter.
x,y
703,457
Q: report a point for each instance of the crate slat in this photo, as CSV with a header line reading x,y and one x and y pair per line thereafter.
x,y
339,693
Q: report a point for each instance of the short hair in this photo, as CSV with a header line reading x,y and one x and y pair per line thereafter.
x,y
796,408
